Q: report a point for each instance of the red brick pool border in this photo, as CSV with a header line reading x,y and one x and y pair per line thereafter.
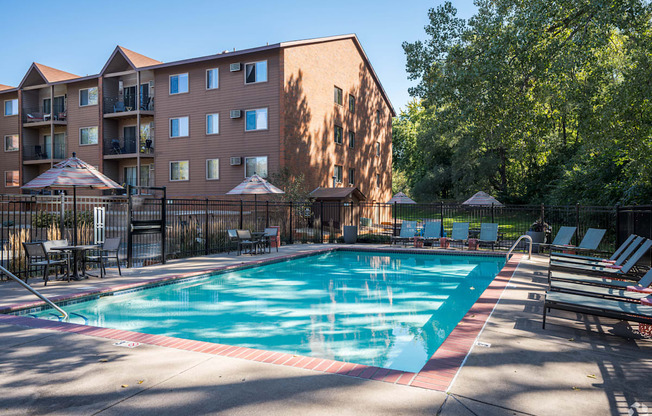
x,y
436,374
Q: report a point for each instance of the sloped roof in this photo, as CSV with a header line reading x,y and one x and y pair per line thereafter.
x,y
337,193
5,87
482,199
401,198
136,59
54,75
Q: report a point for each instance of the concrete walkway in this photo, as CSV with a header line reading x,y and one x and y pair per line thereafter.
x,y
573,367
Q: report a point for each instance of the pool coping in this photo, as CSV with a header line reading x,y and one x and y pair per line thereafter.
x,y
437,373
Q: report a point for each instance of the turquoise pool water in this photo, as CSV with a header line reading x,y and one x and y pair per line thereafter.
x,y
384,309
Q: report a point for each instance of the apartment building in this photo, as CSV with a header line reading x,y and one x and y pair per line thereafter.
x,y
200,126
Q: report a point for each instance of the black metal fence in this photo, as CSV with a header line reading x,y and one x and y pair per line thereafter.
x,y
195,227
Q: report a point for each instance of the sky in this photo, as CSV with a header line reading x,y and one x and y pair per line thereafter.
x,y
79,36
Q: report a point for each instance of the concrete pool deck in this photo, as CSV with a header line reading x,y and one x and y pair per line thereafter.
x,y
517,368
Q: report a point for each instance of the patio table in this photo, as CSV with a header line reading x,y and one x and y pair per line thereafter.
x,y
77,255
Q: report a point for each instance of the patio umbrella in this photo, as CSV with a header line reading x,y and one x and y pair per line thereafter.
x,y
482,199
255,185
401,198
72,173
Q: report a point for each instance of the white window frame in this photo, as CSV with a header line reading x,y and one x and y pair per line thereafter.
x,y
170,83
218,79
218,170
218,124
256,109
255,157
170,127
335,173
12,186
254,63
4,109
88,89
170,171
5,143
80,136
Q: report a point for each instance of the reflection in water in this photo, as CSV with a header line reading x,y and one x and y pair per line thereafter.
x,y
390,310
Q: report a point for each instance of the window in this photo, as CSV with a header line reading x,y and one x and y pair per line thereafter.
x,y
338,134
338,174
212,169
11,107
256,72
351,139
351,103
212,123
377,148
179,170
47,106
130,175
212,79
256,165
88,135
179,127
351,177
11,178
378,116
88,96
11,143
378,180
256,119
178,84
338,95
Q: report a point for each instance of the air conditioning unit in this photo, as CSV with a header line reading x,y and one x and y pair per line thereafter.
x,y
236,113
236,161
236,67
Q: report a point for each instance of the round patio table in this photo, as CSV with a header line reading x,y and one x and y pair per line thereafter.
x,y
77,255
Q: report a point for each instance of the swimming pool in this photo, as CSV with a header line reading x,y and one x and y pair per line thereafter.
x,y
390,310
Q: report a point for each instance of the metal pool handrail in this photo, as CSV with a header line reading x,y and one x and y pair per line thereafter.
x,y
35,292
525,236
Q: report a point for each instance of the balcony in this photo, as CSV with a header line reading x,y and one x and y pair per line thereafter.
x,y
126,147
39,116
115,107
40,153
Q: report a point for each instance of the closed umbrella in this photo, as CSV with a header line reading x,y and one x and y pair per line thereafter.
x,y
255,185
72,173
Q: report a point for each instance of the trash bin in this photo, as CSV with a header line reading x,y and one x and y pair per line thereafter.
x,y
350,234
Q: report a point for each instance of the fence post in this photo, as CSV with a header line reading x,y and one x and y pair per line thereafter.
x,y
492,212
321,222
130,244
206,230
291,231
617,225
394,212
543,213
441,214
62,210
267,214
164,224
240,214
577,224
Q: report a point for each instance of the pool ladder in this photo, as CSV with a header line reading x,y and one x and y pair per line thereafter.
x,y
35,292
518,240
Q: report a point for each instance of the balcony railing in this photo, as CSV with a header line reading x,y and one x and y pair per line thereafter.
x,y
42,152
116,105
128,145
39,114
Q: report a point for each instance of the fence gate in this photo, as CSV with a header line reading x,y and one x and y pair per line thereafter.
x,y
147,220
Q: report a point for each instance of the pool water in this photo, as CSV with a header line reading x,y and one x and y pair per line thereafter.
x,y
390,310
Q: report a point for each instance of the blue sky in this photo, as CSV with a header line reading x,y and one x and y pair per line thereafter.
x,y
79,36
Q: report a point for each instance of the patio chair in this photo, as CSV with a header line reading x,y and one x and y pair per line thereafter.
x,y
232,240
109,251
618,257
460,232
488,234
630,293
37,256
119,107
565,271
626,311
408,231
271,234
590,242
432,231
564,236
246,240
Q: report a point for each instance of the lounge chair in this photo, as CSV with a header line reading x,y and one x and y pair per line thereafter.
x,y
488,234
460,232
432,231
590,242
629,293
563,237
588,305
408,230
608,270
618,258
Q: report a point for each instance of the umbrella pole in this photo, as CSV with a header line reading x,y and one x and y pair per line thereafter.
x,y
74,214
255,212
